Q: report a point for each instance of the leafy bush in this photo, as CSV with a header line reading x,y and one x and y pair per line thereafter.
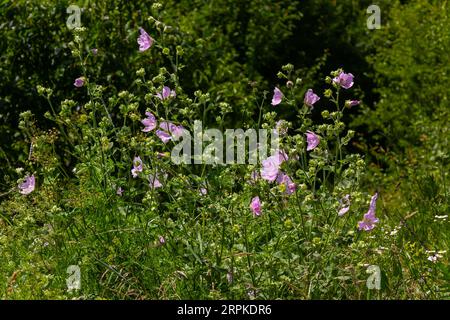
x,y
410,68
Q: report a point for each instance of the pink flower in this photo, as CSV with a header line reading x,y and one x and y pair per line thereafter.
x,y
311,98
177,131
166,93
282,156
119,191
255,206
269,170
369,220
345,205
312,139
352,103
169,130
287,181
154,182
137,166
28,185
164,136
144,40
173,129
345,80
271,166
79,82
149,122
277,96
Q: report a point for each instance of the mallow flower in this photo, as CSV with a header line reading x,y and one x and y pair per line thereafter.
x,y
369,220
137,166
144,40
149,122
154,182
352,103
79,82
28,185
164,136
345,80
277,96
311,98
312,139
287,181
255,206
169,130
166,93
344,205
271,166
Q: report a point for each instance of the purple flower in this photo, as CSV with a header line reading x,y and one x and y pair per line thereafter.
x,y
28,185
282,156
344,205
271,166
164,136
312,139
161,240
369,220
119,191
277,96
169,130
311,98
144,40
269,170
173,129
177,131
154,182
255,206
137,166
149,122
203,191
352,103
94,51
345,80
166,93
287,181
79,82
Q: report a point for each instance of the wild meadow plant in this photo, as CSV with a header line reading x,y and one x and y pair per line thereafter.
x,y
100,191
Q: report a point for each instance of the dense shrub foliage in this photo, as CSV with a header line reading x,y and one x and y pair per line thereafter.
x,y
89,118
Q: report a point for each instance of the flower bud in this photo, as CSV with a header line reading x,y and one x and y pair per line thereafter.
x,y
328,93
140,72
